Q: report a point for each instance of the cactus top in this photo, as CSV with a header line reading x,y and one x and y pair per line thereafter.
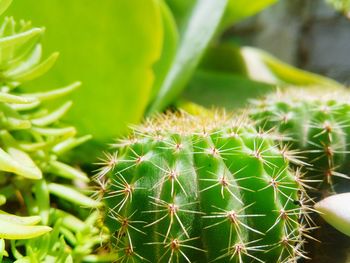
x,y
203,189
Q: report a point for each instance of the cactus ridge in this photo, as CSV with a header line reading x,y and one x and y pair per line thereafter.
x,y
318,125
203,189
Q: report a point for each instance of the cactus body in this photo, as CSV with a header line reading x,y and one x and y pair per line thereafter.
x,y
317,126
185,189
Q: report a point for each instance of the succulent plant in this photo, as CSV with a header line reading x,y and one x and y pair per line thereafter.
x,y
203,189
335,210
35,182
316,127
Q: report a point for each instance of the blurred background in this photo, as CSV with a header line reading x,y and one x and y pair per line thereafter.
x,y
309,34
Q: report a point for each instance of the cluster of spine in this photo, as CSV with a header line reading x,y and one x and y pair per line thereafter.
x,y
33,177
316,127
192,189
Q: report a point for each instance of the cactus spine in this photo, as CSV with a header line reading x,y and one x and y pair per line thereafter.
x,y
190,189
317,126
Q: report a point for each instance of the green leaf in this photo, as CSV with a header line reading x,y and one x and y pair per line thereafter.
x,y
34,72
9,98
170,41
200,29
54,94
66,171
111,46
2,199
72,195
341,5
4,4
262,66
52,117
9,44
238,10
224,90
15,230
3,251
20,163
42,196
181,10
21,220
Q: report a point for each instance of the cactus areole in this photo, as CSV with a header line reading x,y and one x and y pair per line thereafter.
x,y
194,189
318,128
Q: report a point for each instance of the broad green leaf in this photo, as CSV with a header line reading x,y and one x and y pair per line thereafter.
x,y
237,10
111,46
224,90
170,41
335,210
4,4
200,29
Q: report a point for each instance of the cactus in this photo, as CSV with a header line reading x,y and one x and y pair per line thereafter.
x,y
33,147
318,129
203,189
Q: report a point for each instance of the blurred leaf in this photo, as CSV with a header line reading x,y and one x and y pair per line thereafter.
x,y
224,90
341,6
260,66
224,57
237,10
181,10
4,5
200,28
170,41
335,210
110,46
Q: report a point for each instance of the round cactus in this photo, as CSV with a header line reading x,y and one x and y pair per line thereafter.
x,y
316,127
192,189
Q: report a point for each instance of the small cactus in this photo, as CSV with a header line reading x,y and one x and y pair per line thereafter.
x,y
316,127
203,189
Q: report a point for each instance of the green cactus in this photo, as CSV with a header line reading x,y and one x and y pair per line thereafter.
x,y
316,127
33,147
203,189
